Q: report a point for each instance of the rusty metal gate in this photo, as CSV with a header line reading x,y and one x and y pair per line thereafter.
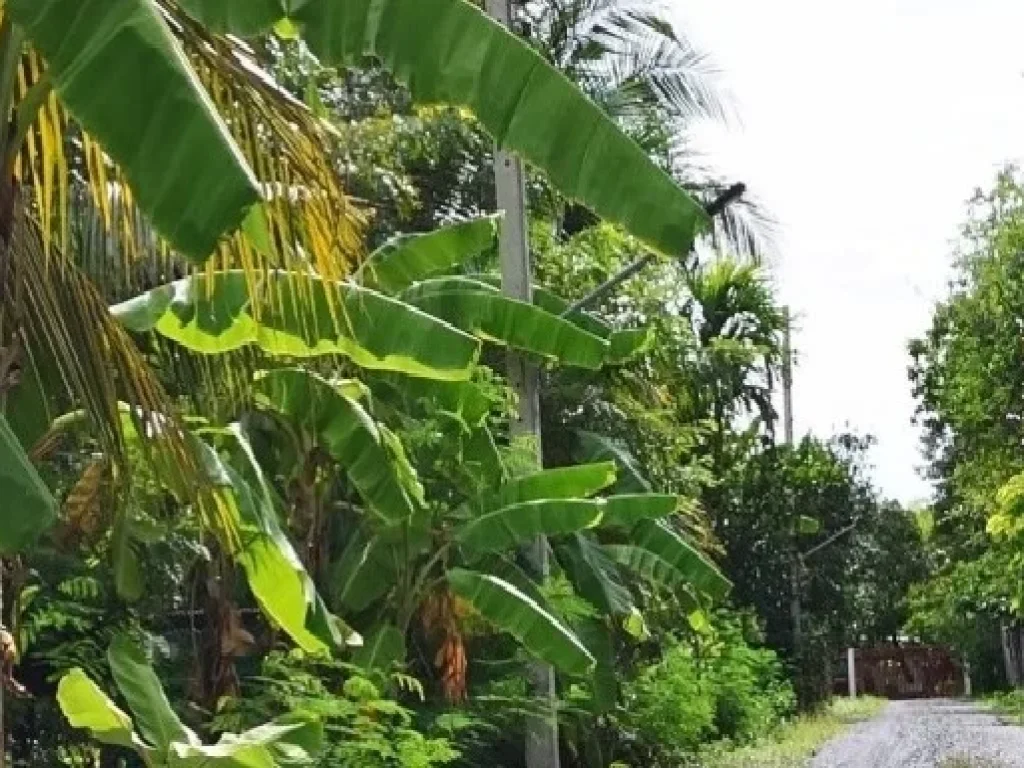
x,y
908,672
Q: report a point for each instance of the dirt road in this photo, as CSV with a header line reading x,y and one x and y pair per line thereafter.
x,y
927,734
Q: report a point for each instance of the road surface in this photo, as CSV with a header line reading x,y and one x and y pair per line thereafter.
x,y
927,734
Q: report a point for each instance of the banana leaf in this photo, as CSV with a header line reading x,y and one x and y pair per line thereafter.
x,y
627,510
510,610
504,529
243,18
155,719
366,571
654,569
482,310
407,259
594,574
384,647
86,706
116,66
274,571
450,52
301,316
604,681
591,446
692,565
371,456
579,481
29,508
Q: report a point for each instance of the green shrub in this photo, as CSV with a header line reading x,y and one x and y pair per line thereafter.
x,y
751,694
671,703
364,729
718,687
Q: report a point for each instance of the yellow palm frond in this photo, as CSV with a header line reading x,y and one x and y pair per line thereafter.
x,y
64,322
306,223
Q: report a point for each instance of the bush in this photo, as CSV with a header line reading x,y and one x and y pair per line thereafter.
x,y
671,703
751,694
716,688
364,728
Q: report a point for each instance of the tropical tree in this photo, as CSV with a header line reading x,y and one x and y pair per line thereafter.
x,y
966,377
636,64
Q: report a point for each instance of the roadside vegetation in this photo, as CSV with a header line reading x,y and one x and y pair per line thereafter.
x,y
794,743
264,496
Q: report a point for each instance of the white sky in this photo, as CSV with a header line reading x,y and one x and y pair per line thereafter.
x,y
864,127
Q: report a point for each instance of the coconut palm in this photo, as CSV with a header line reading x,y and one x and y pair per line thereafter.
x,y
655,83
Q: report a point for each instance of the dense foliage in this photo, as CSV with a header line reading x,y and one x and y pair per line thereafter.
x,y
264,502
967,376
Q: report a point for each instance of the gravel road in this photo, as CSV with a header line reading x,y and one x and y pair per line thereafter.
x,y
927,734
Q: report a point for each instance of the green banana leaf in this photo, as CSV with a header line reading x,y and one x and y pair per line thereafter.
x,y
481,456
591,446
627,510
692,565
244,18
242,499
510,610
366,571
141,688
384,647
266,746
273,569
506,528
407,259
450,52
87,707
652,568
623,345
594,574
604,681
129,580
29,508
302,316
467,401
482,310
371,456
118,69
504,567
579,481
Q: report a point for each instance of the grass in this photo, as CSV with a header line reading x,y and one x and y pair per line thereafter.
x,y
1009,704
795,743
969,762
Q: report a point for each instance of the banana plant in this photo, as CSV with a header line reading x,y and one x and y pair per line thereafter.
x,y
177,128
410,557
140,96
155,732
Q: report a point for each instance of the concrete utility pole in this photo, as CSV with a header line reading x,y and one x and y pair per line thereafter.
x,y
787,377
517,282
796,565
851,671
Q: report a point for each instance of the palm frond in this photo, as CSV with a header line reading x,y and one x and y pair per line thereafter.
x,y
64,324
305,223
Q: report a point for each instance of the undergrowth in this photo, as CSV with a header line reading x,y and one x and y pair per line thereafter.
x,y
795,742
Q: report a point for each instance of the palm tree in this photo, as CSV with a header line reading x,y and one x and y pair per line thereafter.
x,y
655,83
738,326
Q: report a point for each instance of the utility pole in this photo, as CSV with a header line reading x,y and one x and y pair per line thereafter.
x,y
787,377
517,282
796,563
